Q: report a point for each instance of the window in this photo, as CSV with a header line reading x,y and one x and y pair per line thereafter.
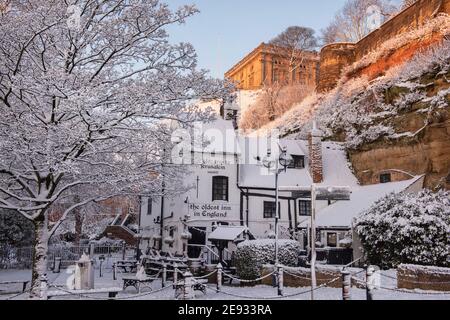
x,y
332,239
220,188
298,162
304,207
149,206
385,178
269,209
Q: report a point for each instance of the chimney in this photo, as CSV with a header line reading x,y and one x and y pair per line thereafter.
x,y
315,154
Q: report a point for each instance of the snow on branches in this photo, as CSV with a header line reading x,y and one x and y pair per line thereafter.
x,y
406,228
88,105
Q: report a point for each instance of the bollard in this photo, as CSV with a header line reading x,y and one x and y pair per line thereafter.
x,y
280,281
219,276
164,275
175,275
114,271
369,282
44,287
188,292
346,283
57,268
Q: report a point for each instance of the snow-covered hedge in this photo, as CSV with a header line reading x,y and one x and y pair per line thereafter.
x,y
407,228
251,255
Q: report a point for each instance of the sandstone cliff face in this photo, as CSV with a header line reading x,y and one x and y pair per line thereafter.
x,y
427,152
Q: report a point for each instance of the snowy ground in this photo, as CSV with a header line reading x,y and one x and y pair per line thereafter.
x,y
237,292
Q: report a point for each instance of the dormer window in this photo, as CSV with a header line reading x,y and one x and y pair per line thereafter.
x,y
298,162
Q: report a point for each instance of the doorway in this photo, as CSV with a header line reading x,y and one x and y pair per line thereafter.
x,y
196,242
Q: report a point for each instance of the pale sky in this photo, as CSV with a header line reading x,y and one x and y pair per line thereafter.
x,y
226,30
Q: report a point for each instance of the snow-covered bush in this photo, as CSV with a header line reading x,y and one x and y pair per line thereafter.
x,y
406,228
251,255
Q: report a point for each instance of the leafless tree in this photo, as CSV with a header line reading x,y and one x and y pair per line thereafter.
x,y
350,23
273,101
295,43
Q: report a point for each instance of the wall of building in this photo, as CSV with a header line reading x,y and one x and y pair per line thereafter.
x,y
335,57
266,65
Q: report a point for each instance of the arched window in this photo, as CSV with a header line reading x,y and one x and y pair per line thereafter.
x,y
220,188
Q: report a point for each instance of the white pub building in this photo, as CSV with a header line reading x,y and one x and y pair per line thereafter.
x,y
232,195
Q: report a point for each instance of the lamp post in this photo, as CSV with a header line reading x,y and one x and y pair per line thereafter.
x,y
268,162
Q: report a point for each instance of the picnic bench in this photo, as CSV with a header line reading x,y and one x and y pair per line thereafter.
x,y
23,282
138,282
197,285
128,266
112,292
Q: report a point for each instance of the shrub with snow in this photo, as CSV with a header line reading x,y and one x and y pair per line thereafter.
x,y
407,228
251,255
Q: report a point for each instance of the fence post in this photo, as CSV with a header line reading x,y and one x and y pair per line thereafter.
x,y
280,281
57,267
164,275
219,276
346,283
91,250
175,274
188,292
114,271
124,250
369,282
44,287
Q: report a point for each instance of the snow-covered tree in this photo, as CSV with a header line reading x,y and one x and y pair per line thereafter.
x,y
89,91
407,228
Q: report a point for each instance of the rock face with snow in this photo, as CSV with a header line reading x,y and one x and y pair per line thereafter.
x,y
251,255
406,228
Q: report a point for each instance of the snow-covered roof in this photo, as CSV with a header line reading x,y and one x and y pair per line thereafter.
x,y
341,213
229,233
336,169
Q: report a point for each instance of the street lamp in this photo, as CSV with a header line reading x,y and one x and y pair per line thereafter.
x,y
283,160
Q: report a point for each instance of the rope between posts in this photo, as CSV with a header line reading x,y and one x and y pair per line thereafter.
x,y
296,275
81,295
206,275
248,281
18,294
275,297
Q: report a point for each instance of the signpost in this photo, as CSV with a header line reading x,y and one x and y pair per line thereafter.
x,y
315,193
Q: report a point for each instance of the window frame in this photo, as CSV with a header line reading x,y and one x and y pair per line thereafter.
x,y
292,164
274,212
307,208
225,194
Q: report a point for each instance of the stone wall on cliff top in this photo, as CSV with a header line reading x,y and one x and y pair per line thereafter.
x,y
335,57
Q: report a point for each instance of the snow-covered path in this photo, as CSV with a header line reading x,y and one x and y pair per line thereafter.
x,y
237,292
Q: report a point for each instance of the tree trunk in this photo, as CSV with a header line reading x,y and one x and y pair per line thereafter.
x,y
78,226
40,252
